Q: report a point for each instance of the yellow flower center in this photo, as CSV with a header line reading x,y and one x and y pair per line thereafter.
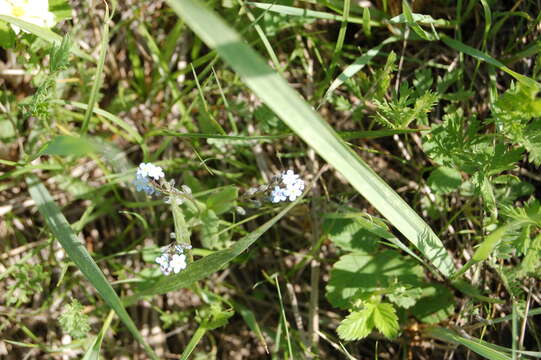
x,y
18,11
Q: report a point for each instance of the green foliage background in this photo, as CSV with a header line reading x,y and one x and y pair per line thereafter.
x,y
417,128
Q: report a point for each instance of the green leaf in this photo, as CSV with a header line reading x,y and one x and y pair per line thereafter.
x,y
69,145
130,129
405,297
385,319
61,9
216,317
366,272
444,180
209,229
294,11
223,200
410,20
274,91
349,234
7,36
61,229
359,63
357,325
73,321
435,304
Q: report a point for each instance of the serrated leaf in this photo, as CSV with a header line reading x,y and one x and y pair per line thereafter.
x,y
7,36
532,143
444,180
357,325
385,319
366,272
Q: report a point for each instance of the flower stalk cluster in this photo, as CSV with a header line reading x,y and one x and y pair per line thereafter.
x,y
150,179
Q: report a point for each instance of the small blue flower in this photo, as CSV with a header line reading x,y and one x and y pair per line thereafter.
x,y
290,187
173,259
142,184
145,173
278,195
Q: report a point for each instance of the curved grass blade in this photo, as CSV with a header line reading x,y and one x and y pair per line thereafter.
x,y
457,45
483,348
131,130
61,229
274,91
45,34
93,352
94,92
356,66
294,11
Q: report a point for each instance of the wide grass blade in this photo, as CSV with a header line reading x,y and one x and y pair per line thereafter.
x,y
303,120
61,229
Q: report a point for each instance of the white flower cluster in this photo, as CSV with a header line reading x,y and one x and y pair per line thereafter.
x,y
146,172
289,188
33,11
173,259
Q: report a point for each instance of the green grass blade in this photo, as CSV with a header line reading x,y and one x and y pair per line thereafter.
x,y
339,42
208,265
130,129
94,92
93,352
61,229
356,66
274,91
476,345
294,11
457,45
45,34
196,338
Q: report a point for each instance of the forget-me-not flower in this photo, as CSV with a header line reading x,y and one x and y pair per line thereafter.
x,y
146,172
290,187
173,259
